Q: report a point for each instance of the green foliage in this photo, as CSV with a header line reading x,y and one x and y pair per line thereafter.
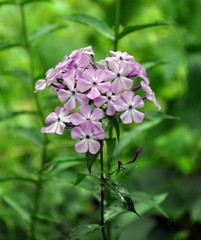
x,y
82,230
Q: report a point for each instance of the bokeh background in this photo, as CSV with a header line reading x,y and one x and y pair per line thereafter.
x,y
165,182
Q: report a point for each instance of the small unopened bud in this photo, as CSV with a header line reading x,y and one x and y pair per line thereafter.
x,y
137,153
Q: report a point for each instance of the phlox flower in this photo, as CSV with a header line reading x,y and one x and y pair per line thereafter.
x,y
94,81
120,71
56,121
88,138
127,103
107,100
150,94
71,94
120,56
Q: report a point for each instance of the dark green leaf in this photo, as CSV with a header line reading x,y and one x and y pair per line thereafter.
x,y
7,45
82,230
134,28
121,193
115,123
91,158
45,218
94,23
149,65
7,2
15,114
79,178
23,2
114,210
45,30
14,205
160,115
111,143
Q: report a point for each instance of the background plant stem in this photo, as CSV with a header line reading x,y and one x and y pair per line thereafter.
x,y
39,184
117,23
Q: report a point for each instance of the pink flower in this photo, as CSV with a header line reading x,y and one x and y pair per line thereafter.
x,y
71,94
88,138
96,81
128,103
139,70
107,100
119,56
56,121
120,72
85,113
150,94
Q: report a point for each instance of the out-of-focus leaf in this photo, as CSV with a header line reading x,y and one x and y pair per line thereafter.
x,y
30,134
94,23
82,230
15,114
14,205
111,143
91,158
114,210
79,178
8,2
121,193
45,30
149,65
18,178
129,136
160,115
115,123
146,202
44,218
134,28
7,45
23,2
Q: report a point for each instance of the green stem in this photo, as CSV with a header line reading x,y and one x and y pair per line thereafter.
x,y
39,184
117,23
102,196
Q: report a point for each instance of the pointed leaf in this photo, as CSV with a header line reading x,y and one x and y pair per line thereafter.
x,y
160,115
45,30
91,158
115,123
7,45
121,193
94,23
14,205
79,178
134,28
82,230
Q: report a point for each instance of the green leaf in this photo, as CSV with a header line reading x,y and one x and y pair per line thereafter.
x,y
45,30
7,45
15,114
94,23
23,2
121,193
18,178
146,202
160,115
7,2
114,210
111,143
45,218
115,123
131,135
82,230
30,134
14,205
134,28
91,158
79,178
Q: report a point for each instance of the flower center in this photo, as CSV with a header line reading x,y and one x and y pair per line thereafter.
x,y
109,98
73,93
58,119
121,58
118,75
94,84
130,107
87,137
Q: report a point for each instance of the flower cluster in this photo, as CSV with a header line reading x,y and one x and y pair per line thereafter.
x,y
92,91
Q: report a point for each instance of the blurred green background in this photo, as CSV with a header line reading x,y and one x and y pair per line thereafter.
x,y
169,168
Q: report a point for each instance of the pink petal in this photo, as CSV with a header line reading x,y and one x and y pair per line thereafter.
x,y
137,116
51,118
40,85
99,135
127,83
81,98
138,102
110,108
77,133
77,119
104,87
85,110
120,105
82,146
52,128
94,146
94,93
99,101
60,128
89,75
71,104
127,96
64,95
97,114
126,117
83,85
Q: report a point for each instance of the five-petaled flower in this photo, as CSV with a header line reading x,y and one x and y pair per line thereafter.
x,y
93,91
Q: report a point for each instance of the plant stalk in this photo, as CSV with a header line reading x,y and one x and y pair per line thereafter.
x,y
117,23
102,196
39,184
